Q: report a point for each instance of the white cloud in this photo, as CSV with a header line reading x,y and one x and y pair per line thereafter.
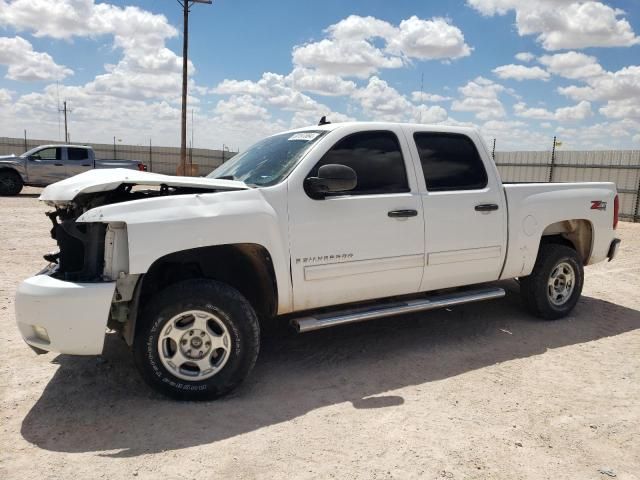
x,y
525,56
350,49
5,96
428,97
620,90
565,24
382,102
320,83
428,39
241,108
521,72
627,108
480,96
147,69
572,65
25,64
576,112
357,58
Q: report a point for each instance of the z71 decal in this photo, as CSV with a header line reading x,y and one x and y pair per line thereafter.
x,y
598,205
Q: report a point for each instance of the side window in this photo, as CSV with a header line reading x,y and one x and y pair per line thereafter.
x,y
77,154
49,154
376,158
450,161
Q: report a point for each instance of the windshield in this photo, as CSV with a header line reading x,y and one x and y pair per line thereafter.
x,y
269,161
30,152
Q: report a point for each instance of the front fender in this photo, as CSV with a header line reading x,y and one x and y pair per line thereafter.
x,y
15,165
160,226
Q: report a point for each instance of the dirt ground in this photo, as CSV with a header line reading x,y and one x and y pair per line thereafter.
x,y
476,392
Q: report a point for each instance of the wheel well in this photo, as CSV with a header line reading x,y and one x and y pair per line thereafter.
x,y
246,267
12,170
576,234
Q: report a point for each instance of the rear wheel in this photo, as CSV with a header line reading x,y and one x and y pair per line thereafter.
x,y
555,284
197,340
10,183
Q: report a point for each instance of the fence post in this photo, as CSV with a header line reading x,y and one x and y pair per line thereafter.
x,y
114,148
150,157
636,210
493,151
553,160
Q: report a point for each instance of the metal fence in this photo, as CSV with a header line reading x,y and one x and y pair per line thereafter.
x,y
157,159
619,166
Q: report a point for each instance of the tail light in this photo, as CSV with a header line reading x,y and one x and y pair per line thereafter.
x,y
142,167
616,209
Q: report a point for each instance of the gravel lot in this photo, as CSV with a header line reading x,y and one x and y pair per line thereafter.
x,y
480,391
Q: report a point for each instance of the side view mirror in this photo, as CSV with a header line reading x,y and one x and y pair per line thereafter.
x,y
332,178
35,156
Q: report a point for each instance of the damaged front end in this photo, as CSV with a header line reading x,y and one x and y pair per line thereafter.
x,y
81,254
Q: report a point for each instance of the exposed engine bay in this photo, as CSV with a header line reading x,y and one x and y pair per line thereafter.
x,y
81,254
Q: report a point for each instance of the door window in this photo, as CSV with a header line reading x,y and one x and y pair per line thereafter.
x,y
376,158
450,161
48,154
77,154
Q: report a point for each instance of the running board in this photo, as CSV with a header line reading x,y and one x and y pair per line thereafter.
x,y
325,320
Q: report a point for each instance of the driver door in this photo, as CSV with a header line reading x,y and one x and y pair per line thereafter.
x,y
355,245
46,166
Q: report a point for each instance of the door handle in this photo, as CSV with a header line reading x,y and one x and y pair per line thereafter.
x,y
58,164
486,207
85,165
402,213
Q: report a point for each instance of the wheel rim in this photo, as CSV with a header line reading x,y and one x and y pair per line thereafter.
x,y
194,345
561,283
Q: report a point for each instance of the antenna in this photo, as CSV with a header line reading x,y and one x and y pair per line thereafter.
x,y
421,93
324,121
58,106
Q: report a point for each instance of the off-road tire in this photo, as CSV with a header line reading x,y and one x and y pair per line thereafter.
x,y
235,312
534,288
10,183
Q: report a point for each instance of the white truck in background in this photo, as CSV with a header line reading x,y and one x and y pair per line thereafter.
x,y
316,227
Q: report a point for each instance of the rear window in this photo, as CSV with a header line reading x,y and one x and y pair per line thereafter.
x,y
77,153
450,161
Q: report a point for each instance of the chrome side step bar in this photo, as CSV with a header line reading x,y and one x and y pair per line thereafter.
x,y
325,320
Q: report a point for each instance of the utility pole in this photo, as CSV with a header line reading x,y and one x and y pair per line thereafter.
x,y
186,5
66,131
493,151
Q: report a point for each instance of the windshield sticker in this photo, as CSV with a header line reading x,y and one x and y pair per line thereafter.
x,y
305,136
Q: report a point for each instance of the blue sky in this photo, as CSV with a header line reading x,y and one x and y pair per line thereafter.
x,y
261,67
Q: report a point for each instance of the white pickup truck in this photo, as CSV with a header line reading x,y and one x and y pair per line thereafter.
x,y
315,227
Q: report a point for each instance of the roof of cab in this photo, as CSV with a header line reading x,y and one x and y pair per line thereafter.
x,y
382,125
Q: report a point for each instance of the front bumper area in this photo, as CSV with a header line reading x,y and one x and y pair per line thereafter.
x,y
64,317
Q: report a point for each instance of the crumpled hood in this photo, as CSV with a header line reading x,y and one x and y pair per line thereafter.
x,y
104,180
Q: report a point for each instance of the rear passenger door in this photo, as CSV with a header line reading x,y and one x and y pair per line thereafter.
x,y
464,210
362,244
77,161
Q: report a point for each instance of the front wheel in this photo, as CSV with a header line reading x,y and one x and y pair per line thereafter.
x,y
197,340
555,284
10,183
